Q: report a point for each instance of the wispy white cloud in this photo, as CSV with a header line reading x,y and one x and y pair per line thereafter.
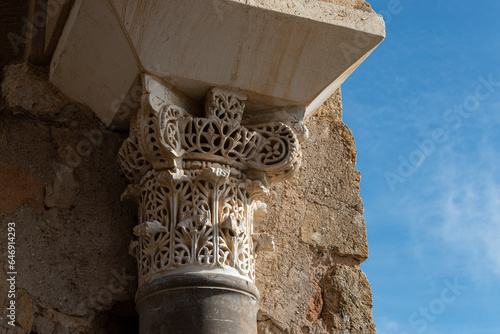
x,y
471,222
461,220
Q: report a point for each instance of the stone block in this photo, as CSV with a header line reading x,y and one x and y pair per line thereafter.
x,y
27,90
330,177
347,301
342,231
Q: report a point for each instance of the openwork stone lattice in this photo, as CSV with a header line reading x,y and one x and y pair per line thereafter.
x,y
198,181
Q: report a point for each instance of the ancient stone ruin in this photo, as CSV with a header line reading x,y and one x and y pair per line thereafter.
x,y
181,167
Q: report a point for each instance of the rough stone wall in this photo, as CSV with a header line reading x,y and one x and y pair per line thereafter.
x,y
61,184
312,282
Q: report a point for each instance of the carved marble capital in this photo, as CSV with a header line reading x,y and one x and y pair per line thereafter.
x,y
198,181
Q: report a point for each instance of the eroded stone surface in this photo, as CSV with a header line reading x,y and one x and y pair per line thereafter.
x,y
317,223
331,109
343,231
315,305
24,310
19,187
283,277
348,301
27,90
331,177
72,259
62,192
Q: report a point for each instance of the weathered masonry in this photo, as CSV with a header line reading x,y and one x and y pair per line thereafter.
x,y
233,146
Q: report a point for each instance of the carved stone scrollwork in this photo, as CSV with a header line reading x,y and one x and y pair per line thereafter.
x,y
198,181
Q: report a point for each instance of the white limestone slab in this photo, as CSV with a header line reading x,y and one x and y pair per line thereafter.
x,y
276,53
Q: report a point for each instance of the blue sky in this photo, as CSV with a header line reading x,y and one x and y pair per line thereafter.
x,y
425,112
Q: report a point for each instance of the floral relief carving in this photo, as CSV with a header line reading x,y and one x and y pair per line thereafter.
x,y
198,181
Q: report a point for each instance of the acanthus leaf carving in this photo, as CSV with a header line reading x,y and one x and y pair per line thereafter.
x,y
263,242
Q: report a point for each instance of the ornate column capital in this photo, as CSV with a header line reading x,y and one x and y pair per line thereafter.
x,y
198,182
